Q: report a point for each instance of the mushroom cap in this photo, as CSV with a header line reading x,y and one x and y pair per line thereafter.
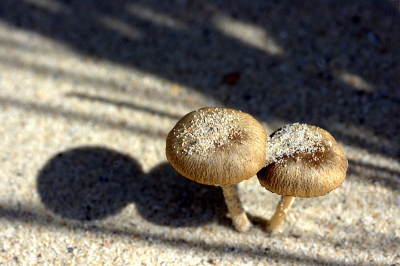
x,y
217,146
303,161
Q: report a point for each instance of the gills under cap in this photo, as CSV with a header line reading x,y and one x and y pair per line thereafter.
x,y
303,161
217,146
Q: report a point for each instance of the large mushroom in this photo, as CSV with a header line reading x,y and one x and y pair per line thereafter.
x,y
221,147
302,161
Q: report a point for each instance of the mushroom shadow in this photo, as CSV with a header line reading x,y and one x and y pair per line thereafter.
x,y
90,183
87,183
167,198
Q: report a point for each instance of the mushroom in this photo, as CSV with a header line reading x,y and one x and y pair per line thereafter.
x,y
221,147
302,161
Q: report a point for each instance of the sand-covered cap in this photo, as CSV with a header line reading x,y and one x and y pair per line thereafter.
x,y
217,146
303,161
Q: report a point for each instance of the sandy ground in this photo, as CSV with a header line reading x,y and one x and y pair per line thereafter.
x,y
90,89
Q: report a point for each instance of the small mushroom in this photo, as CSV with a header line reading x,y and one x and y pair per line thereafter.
x,y
302,161
221,147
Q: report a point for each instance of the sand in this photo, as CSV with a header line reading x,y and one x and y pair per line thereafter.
x,y
90,90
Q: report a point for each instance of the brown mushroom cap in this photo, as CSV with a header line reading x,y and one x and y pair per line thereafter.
x,y
217,146
303,161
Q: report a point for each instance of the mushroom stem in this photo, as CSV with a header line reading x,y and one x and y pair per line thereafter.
x,y
281,209
238,215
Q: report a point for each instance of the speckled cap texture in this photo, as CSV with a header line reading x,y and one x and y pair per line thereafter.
x,y
303,161
217,146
